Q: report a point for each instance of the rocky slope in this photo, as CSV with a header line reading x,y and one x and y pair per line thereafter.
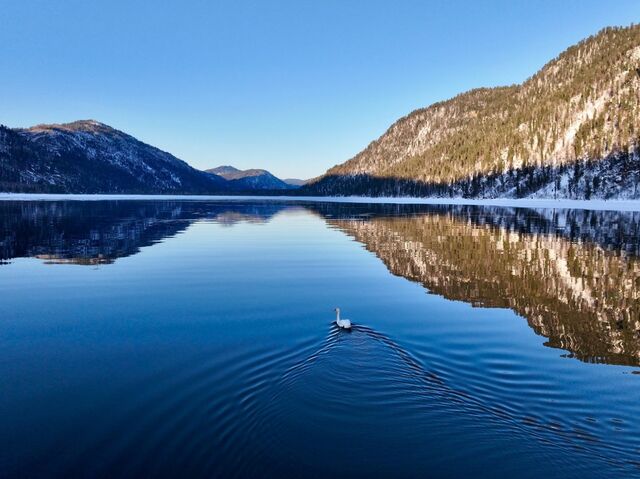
x,y
553,135
254,179
90,157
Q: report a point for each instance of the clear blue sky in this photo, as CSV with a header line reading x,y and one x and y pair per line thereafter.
x,y
290,86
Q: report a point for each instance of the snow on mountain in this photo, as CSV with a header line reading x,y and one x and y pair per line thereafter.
x,y
91,157
570,130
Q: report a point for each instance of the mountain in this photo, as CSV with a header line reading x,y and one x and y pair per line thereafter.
x,y
254,179
91,157
571,130
227,172
295,181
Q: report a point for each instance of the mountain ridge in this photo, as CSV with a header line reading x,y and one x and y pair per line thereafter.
x,y
87,156
517,140
252,179
295,181
571,130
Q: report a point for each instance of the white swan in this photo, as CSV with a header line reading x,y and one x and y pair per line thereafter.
x,y
342,323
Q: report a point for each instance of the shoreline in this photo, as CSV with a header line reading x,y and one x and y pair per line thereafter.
x,y
598,204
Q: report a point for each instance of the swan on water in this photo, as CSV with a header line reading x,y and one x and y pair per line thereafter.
x,y
342,323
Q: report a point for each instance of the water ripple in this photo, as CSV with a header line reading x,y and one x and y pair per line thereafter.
x,y
290,405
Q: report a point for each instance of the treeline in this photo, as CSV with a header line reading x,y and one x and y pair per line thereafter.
x,y
616,176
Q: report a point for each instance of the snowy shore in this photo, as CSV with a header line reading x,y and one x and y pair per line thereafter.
x,y
613,205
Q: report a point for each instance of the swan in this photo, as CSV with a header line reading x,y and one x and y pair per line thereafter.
x,y
342,323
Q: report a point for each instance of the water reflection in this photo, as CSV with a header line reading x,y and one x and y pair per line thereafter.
x,y
100,232
573,274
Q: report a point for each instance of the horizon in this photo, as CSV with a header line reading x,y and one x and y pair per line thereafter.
x,y
251,84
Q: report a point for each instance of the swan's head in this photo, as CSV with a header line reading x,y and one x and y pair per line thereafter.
x,y
337,310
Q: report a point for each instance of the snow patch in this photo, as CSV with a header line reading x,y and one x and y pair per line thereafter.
x,y
599,205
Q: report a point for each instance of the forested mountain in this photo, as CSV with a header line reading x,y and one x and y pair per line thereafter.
x,y
571,130
90,157
253,179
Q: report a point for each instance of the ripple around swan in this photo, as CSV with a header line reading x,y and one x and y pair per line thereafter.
x,y
357,398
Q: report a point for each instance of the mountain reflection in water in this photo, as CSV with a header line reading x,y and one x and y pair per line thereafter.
x,y
574,275
203,345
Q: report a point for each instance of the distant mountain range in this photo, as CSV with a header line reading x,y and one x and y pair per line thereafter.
x,y
91,157
253,179
572,130
295,181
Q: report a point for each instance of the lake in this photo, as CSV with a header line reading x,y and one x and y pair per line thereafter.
x,y
195,339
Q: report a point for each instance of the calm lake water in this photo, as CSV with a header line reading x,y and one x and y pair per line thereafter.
x,y
195,339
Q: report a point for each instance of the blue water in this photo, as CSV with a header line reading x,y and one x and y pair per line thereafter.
x,y
195,339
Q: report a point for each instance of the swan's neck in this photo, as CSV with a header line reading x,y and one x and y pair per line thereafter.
x,y
338,315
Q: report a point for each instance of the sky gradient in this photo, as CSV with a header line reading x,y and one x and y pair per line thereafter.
x,y
290,86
